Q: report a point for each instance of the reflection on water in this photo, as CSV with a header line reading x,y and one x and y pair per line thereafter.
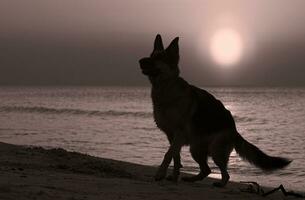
x,y
117,123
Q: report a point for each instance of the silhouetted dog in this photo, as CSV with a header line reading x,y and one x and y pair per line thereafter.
x,y
191,116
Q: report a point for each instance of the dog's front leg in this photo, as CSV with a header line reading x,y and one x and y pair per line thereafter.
x,y
173,152
176,172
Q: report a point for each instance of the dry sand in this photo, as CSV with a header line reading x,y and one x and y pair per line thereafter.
x,y
37,173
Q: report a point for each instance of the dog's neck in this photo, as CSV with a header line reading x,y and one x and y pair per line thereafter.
x,y
162,91
161,84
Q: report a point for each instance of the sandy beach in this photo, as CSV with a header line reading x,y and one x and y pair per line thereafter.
x,y
37,173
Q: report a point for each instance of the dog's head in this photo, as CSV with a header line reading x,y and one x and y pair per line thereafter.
x,y
162,63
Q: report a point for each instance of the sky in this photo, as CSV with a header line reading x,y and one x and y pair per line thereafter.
x,y
99,42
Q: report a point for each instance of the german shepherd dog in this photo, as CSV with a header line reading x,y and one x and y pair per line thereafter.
x,y
191,116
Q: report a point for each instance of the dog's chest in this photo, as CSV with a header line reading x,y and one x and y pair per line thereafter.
x,y
162,118
169,115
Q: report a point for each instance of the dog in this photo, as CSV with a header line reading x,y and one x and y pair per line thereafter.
x,y
191,116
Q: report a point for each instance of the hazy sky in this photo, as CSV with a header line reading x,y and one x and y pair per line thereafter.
x,y
99,42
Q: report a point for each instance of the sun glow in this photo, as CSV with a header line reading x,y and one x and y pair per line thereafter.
x,y
226,47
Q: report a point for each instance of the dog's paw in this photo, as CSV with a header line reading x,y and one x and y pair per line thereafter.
x,y
219,184
180,165
160,175
223,182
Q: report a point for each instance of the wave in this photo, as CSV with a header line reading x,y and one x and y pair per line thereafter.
x,y
243,119
46,110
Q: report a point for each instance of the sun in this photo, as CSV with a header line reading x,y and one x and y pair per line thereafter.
x,y
226,47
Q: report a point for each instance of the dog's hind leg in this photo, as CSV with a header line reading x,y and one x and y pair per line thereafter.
x,y
221,160
200,155
222,164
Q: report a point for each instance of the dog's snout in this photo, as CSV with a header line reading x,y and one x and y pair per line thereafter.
x,y
145,62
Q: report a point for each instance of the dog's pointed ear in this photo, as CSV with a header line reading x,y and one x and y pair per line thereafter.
x,y
173,50
158,45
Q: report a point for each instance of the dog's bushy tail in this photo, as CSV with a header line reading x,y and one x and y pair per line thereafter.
x,y
257,157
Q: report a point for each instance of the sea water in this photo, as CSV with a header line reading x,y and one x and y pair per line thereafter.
x,y
117,123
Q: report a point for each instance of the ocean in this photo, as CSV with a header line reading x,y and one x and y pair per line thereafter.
x,y
117,123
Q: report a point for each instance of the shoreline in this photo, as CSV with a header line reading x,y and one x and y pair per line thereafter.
x,y
38,173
